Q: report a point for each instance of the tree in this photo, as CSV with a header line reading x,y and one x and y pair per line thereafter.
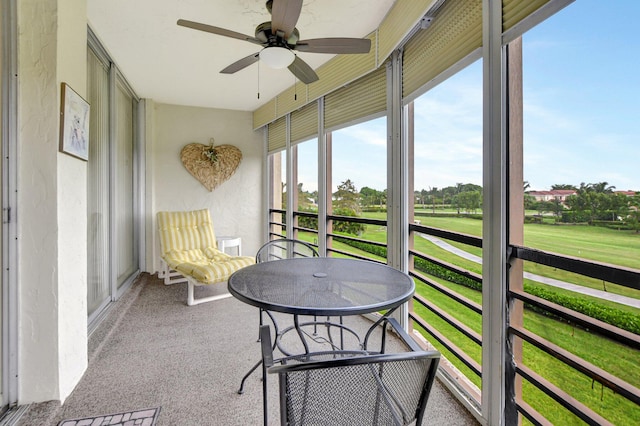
x,y
529,202
346,202
633,219
469,187
619,204
305,199
557,207
447,194
602,187
593,200
469,201
563,186
370,196
433,192
347,197
545,206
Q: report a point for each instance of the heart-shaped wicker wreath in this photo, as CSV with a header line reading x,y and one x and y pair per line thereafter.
x,y
211,165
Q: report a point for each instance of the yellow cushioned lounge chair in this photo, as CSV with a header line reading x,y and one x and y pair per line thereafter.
x,y
189,253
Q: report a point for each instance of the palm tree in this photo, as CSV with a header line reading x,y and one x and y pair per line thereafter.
x,y
602,187
563,186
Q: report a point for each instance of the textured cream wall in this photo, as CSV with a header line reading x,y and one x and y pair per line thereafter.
x,y
72,207
235,205
51,204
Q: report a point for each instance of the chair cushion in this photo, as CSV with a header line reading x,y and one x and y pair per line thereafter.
x,y
206,266
189,230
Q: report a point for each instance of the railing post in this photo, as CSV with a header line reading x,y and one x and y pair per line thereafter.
x,y
513,382
324,181
292,188
397,174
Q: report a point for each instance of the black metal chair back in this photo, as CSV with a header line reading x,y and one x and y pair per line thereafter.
x,y
382,389
285,249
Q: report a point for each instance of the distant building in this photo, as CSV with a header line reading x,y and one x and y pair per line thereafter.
x,y
554,194
627,193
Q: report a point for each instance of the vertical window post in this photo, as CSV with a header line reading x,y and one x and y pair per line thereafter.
x,y
516,219
494,232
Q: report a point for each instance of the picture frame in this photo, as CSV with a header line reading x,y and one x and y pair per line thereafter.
x,y
74,124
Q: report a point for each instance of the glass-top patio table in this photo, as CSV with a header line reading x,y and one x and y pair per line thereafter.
x,y
322,286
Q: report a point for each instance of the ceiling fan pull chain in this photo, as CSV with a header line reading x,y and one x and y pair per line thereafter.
x,y
258,79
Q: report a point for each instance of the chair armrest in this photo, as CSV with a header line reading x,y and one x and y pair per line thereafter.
x,y
267,348
357,359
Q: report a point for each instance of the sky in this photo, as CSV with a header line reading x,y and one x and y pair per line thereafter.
x,y
581,89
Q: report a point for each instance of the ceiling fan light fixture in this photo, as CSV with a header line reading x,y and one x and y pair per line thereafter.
x,y
277,57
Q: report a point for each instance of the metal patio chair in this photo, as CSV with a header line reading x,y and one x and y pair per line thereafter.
x,y
352,388
284,248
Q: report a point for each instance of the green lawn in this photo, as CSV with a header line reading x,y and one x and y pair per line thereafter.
x,y
613,357
620,248
599,244
588,242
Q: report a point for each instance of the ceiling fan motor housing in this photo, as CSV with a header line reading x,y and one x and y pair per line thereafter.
x,y
264,34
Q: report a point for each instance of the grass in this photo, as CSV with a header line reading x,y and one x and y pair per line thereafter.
x,y
613,357
588,242
599,244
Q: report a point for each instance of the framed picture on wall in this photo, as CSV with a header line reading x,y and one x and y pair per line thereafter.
x,y
74,124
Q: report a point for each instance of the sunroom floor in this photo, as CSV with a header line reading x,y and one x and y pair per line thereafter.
x,y
153,351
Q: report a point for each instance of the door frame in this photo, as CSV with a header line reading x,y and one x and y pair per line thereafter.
x,y
9,137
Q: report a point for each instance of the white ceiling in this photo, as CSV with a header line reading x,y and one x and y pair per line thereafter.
x,y
176,65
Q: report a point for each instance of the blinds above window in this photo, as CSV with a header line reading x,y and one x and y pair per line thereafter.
x,y
398,23
456,32
304,123
365,97
265,114
277,135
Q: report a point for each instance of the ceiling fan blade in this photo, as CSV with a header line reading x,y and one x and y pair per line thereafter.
x,y
334,45
303,71
216,30
241,64
284,16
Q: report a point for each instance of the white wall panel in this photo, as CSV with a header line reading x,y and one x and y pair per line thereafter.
x,y
236,205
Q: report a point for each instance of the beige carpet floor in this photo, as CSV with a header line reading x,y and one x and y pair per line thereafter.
x,y
152,350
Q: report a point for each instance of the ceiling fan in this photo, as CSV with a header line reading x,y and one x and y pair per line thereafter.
x,y
280,39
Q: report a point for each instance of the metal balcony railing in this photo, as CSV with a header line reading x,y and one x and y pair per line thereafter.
x,y
438,304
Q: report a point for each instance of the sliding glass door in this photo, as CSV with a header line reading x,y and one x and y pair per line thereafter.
x,y
98,291
113,237
126,254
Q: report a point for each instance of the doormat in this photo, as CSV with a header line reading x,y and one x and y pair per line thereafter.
x,y
146,417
